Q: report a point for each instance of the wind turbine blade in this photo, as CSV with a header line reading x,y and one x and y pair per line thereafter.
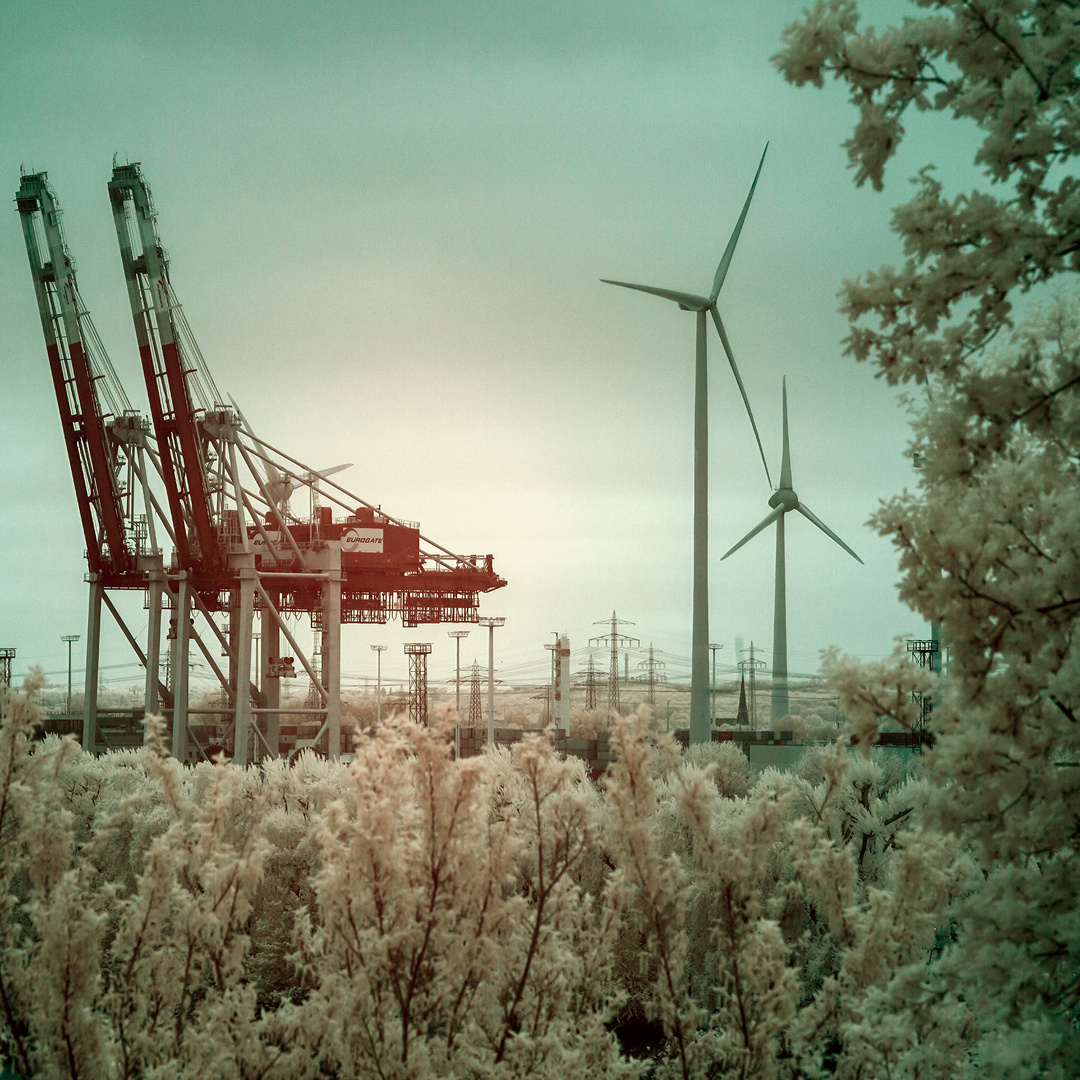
x,y
686,300
754,531
811,516
272,474
785,464
742,389
324,473
725,262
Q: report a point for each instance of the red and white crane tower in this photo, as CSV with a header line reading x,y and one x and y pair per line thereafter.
x,y
106,440
238,548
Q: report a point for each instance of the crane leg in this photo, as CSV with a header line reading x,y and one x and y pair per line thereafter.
x,y
243,665
90,677
151,702
331,646
180,668
271,684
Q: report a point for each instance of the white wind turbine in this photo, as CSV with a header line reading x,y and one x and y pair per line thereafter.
x,y
783,500
280,485
700,723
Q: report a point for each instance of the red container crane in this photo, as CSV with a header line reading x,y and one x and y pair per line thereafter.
x,y
238,547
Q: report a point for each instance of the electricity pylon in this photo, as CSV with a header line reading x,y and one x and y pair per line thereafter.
x,y
615,640
652,676
751,667
476,717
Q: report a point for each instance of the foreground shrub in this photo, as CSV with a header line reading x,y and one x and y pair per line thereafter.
x,y
409,915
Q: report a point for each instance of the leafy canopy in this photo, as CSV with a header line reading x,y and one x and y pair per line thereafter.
x,y
1011,68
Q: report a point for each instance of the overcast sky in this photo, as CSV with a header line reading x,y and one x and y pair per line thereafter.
x,y
387,225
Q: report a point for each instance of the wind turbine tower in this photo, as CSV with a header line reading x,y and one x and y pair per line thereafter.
x,y
783,501
700,724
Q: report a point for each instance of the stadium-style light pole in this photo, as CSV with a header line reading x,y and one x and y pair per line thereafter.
x,y
491,623
712,695
458,635
69,638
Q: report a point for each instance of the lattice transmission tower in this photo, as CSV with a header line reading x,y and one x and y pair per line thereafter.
x,y
314,698
750,667
652,674
616,641
590,687
418,652
476,715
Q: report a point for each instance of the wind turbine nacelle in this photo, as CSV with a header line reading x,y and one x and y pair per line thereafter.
x,y
785,498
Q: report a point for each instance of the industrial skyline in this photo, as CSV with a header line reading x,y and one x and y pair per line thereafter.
x,y
526,411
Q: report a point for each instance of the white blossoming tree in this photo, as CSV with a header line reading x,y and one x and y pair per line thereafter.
x,y
990,544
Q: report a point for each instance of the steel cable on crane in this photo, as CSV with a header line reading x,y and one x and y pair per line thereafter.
x,y
109,381
208,394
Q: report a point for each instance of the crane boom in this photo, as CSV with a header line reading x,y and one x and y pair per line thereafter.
x,y
71,343
166,369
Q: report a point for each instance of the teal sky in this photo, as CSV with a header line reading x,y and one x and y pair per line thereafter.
x,y
387,224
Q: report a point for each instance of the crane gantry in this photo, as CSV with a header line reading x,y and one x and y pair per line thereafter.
x,y
238,549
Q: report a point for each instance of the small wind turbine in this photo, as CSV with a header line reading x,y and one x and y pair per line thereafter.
x,y
783,500
280,485
699,678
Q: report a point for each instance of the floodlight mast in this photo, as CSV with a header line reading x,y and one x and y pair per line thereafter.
x,y
70,639
700,724
714,649
378,650
491,623
457,635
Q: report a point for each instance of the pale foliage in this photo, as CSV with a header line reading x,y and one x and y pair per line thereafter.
x,y
410,915
405,916
989,544
1009,67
